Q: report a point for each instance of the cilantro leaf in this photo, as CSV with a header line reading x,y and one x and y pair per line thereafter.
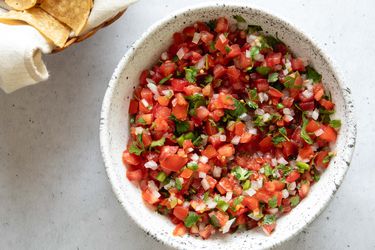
x,y
165,79
158,143
190,74
181,126
273,77
268,171
294,201
211,24
263,70
134,149
254,51
239,109
269,219
335,123
253,28
208,79
241,173
252,104
304,134
272,203
178,184
191,219
141,121
239,19
313,75
195,101
278,139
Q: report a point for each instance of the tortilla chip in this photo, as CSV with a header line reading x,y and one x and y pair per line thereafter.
x,y
44,23
21,4
73,13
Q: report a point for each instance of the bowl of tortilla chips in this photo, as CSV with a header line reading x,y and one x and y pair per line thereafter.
x,y
62,22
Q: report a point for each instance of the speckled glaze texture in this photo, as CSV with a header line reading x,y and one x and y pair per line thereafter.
x,y
114,130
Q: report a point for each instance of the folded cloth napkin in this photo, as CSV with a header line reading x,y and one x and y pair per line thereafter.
x,y
21,46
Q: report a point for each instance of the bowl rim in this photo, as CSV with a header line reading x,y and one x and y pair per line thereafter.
x,y
104,145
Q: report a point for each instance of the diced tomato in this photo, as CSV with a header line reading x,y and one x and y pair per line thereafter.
x,y
318,91
262,85
239,128
180,212
167,151
329,134
222,218
268,229
289,148
307,105
207,231
211,181
180,111
233,73
297,64
262,196
312,126
221,44
209,152
180,230
149,197
173,162
186,173
207,90
189,31
221,25
143,77
250,202
226,150
266,144
288,102
327,104
178,85
147,95
202,113
275,185
304,189
131,159
135,175
234,51
163,101
273,59
320,160
168,68
133,107
219,71
306,152
206,37
293,176
242,62
275,93
224,185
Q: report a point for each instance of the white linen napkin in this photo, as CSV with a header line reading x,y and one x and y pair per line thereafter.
x,y
21,46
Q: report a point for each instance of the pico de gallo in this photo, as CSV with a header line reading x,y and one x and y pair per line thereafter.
x,y
228,129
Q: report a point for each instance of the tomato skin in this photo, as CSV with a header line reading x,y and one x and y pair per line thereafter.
x,y
180,230
307,105
306,152
262,85
266,144
226,150
251,203
180,212
209,152
312,126
293,176
135,175
239,128
329,134
221,25
131,159
173,162
168,68
233,73
178,85
273,59
297,64
219,71
234,51
275,93
221,45
206,37
262,196
318,91
320,158
327,104
269,228
202,113
149,197
189,31
133,107
289,148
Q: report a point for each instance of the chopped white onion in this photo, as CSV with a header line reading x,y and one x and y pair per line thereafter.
x,y
282,160
273,162
168,93
138,130
154,89
222,37
216,172
164,56
170,184
252,131
228,196
249,192
315,114
200,207
254,185
151,164
202,175
244,117
247,54
273,210
211,203
186,204
196,38
226,227
287,111
261,170
263,97
266,117
259,57
223,138
200,64
307,93
251,38
292,186
190,150
292,192
288,118
154,189
205,184
180,53
259,112
145,103
285,193
236,140
195,157
203,159
319,132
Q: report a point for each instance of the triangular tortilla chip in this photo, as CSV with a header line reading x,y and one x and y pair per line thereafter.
x,y
21,4
73,13
46,24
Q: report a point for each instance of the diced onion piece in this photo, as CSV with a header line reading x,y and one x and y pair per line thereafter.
x,y
282,160
247,54
259,57
151,164
195,157
186,204
236,139
287,111
244,117
228,196
138,130
319,132
222,38
154,189
273,162
196,38
211,203
205,184
288,118
216,172
168,93
226,227
315,114
164,56
180,53
285,193
273,210
249,192
223,138
203,159
202,175
266,117
145,103
154,89
292,186
307,93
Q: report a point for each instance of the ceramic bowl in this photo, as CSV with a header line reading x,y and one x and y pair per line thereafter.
x,y
114,129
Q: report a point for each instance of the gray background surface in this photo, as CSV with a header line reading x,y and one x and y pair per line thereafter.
x,y
54,193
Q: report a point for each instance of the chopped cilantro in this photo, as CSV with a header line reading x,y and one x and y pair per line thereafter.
x,y
268,171
165,79
273,77
190,74
211,24
269,219
272,203
141,121
335,123
241,173
178,184
181,126
134,149
195,101
227,49
239,109
263,70
283,132
192,166
328,157
239,19
191,219
158,143
237,201
254,51
313,75
214,221
246,185
304,134
279,106
252,104
294,201
253,28
208,79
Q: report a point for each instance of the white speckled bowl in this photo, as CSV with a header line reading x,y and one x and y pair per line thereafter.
x,y
114,128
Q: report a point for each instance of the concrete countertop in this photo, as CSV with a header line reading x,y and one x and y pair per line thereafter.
x,y
54,192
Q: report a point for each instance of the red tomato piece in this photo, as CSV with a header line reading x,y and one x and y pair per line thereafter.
x,y
131,159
